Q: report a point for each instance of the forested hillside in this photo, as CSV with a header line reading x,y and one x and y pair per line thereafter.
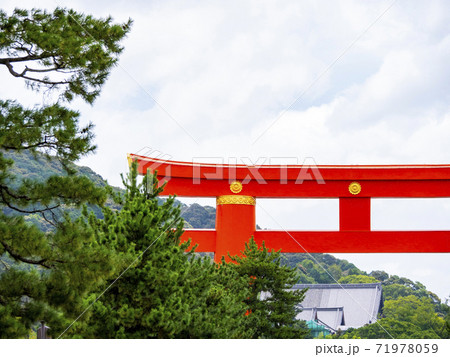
x,y
29,167
39,167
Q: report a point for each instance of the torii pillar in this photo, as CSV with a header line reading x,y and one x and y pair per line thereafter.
x,y
235,224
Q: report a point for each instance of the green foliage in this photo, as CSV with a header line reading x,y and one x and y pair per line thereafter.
x,y
418,311
380,275
394,291
165,292
395,287
46,275
389,327
319,268
271,305
357,279
60,268
39,167
50,129
405,317
445,308
62,50
199,216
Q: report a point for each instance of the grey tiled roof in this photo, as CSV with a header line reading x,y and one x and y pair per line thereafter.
x,y
341,306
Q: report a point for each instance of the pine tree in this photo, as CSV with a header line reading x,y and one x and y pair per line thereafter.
x,y
44,276
60,51
166,292
272,306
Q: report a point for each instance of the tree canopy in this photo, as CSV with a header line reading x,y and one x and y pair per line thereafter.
x,y
405,317
71,54
166,292
418,311
385,328
357,279
60,50
272,305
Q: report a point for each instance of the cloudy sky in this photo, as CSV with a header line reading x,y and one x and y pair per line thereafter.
x,y
342,82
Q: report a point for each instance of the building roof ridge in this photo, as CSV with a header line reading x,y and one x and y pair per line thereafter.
x,y
336,286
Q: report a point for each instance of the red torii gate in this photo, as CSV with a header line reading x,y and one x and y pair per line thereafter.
x,y
236,188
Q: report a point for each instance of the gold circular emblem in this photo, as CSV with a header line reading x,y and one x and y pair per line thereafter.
x,y
354,188
236,187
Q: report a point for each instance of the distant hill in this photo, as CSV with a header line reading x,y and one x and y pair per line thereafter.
x,y
39,167
200,217
27,166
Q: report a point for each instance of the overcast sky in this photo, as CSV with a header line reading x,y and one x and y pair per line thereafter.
x,y
343,82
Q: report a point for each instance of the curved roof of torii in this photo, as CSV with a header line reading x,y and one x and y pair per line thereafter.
x,y
321,181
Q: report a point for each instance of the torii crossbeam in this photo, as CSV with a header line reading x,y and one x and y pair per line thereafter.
x,y
237,188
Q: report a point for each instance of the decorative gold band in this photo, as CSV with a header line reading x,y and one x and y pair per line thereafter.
x,y
235,200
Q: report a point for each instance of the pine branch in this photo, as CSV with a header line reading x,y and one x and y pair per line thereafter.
x,y
7,60
22,75
41,262
4,201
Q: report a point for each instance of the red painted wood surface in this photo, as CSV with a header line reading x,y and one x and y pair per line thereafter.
x,y
235,223
340,241
273,172
378,181
354,214
205,239
357,241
